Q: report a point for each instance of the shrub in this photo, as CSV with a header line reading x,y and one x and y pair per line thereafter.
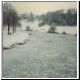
x,y
28,28
52,28
41,24
64,32
76,34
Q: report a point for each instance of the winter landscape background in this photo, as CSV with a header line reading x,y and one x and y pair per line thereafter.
x,y
39,40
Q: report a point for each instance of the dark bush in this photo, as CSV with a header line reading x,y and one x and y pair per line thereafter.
x,y
41,24
28,29
52,28
64,32
76,34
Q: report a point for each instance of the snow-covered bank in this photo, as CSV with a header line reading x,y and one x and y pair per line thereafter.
x,y
67,29
20,37
34,26
16,38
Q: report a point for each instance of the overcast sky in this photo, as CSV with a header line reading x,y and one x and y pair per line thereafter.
x,y
42,7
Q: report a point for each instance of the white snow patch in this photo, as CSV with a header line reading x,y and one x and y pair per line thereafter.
x,y
18,37
60,29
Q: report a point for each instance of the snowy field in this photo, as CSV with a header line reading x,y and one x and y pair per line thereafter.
x,y
60,29
20,36
67,29
44,56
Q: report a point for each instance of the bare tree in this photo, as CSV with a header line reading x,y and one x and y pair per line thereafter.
x,y
10,17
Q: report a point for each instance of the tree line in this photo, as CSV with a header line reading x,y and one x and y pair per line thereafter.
x,y
30,17
60,18
10,17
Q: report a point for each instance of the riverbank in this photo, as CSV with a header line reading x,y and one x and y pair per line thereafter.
x,y
9,41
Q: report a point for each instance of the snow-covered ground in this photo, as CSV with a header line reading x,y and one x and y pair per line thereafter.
x,y
18,37
60,29
44,56
67,29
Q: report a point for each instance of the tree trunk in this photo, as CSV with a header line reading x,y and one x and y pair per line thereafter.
x,y
13,24
8,28
3,27
8,23
13,28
